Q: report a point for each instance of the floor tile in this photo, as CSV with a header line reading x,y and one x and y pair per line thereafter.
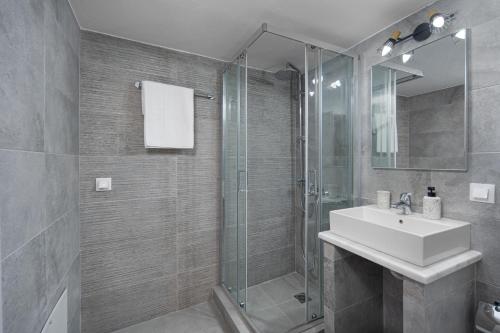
x,y
271,320
283,288
200,318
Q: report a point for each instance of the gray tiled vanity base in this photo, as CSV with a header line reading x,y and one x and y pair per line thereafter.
x,y
361,296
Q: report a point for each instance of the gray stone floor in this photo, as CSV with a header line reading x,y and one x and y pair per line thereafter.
x,y
272,307
199,318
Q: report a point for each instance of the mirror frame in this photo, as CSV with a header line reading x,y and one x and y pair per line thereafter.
x,y
466,101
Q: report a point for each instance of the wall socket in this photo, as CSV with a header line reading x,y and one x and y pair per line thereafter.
x,y
102,184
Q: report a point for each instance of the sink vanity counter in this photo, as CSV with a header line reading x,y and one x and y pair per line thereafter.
x,y
421,249
406,269
424,275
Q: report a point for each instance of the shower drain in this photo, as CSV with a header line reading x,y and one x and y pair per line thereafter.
x,y
301,297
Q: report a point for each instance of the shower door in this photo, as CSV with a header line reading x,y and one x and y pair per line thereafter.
x,y
313,175
234,181
328,157
293,114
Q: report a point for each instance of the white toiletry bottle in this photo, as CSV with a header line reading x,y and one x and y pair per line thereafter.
x,y
432,204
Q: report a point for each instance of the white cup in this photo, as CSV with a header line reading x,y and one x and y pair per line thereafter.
x,y
384,199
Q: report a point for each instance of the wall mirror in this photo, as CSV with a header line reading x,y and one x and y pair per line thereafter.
x,y
419,107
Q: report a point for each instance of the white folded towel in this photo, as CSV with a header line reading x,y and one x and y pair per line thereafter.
x,y
168,116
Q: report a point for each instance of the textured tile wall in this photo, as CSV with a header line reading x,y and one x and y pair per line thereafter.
x,y
483,18
436,129
154,239
271,230
39,223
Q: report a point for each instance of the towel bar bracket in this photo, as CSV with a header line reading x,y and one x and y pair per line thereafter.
x,y
138,85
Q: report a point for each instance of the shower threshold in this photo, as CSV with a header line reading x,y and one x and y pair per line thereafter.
x,y
240,322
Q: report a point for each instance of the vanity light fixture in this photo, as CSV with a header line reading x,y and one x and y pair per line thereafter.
x,y
437,21
390,43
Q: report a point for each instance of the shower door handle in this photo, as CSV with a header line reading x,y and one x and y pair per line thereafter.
x,y
313,189
242,181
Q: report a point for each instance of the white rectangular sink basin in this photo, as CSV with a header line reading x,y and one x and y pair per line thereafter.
x,y
412,238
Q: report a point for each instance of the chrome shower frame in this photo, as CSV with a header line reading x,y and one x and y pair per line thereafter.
x,y
302,138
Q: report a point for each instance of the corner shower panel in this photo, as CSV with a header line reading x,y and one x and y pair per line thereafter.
x,y
234,181
286,163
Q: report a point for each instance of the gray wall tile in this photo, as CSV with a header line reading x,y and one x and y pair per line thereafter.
x,y
22,175
426,307
110,309
21,91
486,292
485,240
158,180
440,317
119,264
130,220
62,241
160,224
62,74
24,288
363,317
265,235
74,292
270,265
197,249
196,286
39,202
393,314
61,185
75,324
453,188
198,194
484,118
61,123
356,279
484,52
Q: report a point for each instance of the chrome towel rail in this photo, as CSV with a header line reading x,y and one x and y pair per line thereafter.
x,y
138,85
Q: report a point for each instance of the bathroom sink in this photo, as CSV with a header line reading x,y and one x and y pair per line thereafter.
x,y
411,238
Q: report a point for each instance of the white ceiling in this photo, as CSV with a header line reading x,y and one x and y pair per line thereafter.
x,y
219,28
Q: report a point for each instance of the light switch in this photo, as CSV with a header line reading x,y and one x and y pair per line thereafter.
x,y
102,184
482,192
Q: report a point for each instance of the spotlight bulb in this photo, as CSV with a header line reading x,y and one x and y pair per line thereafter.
x,y
314,81
461,34
335,84
386,49
438,20
406,57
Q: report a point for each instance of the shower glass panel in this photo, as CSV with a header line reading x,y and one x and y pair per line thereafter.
x,y
330,148
286,164
313,177
234,181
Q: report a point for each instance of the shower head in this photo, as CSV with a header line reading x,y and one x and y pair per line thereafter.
x,y
287,72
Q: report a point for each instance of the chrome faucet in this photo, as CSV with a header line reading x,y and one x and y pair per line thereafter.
x,y
404,203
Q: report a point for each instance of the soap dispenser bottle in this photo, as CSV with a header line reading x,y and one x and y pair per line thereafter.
x,y
432,204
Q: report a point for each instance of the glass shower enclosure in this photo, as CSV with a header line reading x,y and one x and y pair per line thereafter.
x,y
287,162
